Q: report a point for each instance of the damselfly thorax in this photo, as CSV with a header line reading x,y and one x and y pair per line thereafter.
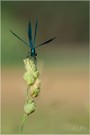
x,y
31,54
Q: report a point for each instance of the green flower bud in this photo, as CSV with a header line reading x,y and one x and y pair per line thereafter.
x,y
35,92
36,74
29,107
29,78
35,88
27,64
31,73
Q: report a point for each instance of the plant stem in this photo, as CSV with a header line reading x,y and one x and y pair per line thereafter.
x,y
23,121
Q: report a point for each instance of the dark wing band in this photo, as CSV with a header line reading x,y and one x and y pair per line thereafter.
x,y
19,38
48,41
36,25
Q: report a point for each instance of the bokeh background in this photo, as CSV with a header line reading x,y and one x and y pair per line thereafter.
x,y
62,106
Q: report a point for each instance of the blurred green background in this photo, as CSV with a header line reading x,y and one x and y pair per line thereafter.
x,y
62,106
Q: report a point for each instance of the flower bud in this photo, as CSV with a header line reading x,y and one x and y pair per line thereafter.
x,y
35,88
29,78
31,73
36,74
29,107
35,92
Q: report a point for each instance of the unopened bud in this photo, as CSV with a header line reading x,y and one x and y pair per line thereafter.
x,y
29,107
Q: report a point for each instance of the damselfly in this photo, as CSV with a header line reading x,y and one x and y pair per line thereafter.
x,y
32,42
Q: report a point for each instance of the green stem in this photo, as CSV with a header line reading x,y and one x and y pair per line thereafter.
x,y
23,121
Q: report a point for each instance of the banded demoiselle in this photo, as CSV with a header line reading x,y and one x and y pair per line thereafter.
x,y
32,42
